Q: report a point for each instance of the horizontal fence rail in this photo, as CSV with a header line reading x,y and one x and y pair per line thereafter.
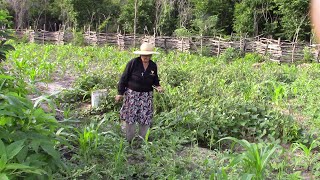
x,y
277,50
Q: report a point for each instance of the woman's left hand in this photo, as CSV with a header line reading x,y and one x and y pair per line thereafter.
x,y
118,98
159,89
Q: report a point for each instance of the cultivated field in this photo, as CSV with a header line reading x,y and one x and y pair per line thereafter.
x,y
271,111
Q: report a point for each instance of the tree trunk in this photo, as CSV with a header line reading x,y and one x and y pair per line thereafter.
x,y
255,23
135,23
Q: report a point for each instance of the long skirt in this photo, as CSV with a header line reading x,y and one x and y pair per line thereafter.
x,y
137,107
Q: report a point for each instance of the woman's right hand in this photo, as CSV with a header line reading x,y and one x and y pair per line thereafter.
x,y
118,98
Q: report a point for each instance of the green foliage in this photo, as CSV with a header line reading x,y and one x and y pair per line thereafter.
x,y
145,16
91,14
8,168
85,84
205,99
256,17
27,134
182,32
230,55
243,19
89,139
5,18
91,82
204,24
64,11
254,160
11,84
78,39
4,35
308,55
104,24
177,76
306,157
295,19
4,49
275,18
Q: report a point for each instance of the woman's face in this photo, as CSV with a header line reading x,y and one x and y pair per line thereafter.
x,y
145,58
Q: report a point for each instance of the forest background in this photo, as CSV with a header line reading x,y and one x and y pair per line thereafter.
x,y
285,19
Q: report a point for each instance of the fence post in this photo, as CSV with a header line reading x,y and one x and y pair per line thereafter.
x,y
245,45
165,44
279,44
182,45
44,30
266,50
293,51
105,43
240,44
201,44
219,51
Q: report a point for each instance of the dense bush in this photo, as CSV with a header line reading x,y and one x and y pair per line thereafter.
x,y
27,138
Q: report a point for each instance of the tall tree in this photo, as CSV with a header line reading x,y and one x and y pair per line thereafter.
x,y
63,11
295,21
166,17
88,12
94,12
224,10
252,16
184,9
203,23
20,8
145,16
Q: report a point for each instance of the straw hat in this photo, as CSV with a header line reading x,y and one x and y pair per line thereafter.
x,y
146,49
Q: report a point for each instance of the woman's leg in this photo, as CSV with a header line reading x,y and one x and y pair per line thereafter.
x,y
143,129
130,131
146,114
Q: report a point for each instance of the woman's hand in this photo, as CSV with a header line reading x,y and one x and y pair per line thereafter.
x,y
118,98
159,89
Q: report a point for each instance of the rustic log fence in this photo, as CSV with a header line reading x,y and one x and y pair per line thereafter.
x,y
277,50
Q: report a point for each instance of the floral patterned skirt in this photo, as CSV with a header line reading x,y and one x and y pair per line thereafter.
x,y
137,107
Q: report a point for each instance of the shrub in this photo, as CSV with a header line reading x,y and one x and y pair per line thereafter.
x,y
307,55
230,55
28,135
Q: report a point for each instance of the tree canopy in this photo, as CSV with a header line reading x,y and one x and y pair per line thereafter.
x,y
286,19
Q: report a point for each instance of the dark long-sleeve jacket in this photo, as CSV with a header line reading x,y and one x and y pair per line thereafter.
x,y
136,78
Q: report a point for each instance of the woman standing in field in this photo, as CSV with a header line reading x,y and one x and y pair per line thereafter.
x,y
136,87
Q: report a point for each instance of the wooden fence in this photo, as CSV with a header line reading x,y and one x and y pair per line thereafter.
x,y
277,50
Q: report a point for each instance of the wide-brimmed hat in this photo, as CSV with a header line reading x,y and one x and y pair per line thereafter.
x,y
146,49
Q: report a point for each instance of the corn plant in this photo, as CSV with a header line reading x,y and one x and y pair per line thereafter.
x,y
220,174
119,157
89,138
279,93
307,157
254,160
